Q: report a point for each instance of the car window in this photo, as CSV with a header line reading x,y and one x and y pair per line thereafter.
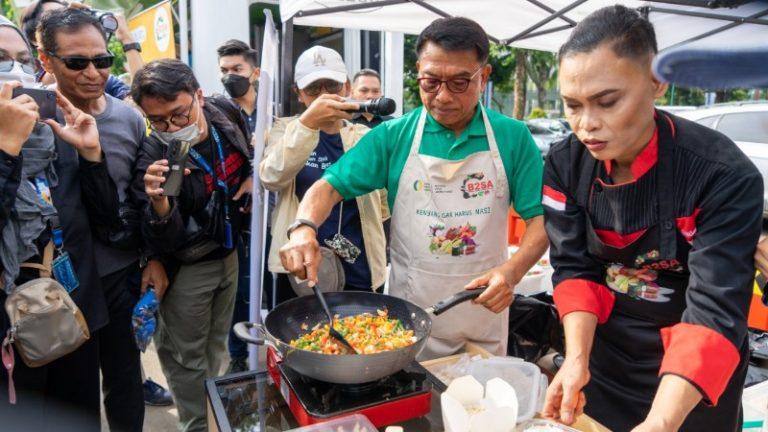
x,y
538,130
745,126
708,121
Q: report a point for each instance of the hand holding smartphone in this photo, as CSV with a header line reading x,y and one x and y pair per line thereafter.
x,y
178,153
45,100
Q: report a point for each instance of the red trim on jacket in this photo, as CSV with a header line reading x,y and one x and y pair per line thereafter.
x,y
619,241
643,162
687,225
554,194
581,295
701,355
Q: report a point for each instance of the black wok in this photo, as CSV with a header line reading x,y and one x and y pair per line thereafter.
x,y
284,323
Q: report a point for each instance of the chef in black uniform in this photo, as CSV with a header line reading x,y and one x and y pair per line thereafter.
x,y
653,222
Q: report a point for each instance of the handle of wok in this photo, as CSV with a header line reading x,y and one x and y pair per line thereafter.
x,y
242,331
456,299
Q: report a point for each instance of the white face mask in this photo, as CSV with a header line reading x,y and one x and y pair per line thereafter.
x,y
190,133
18,74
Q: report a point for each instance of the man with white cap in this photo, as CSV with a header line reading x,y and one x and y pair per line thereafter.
x,y
298,152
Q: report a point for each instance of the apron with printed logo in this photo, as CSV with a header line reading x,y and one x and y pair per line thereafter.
x,y
448,227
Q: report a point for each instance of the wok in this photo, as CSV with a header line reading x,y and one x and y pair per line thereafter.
x,y
284,323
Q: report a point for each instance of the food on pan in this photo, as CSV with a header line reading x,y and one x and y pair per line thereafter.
x,y
369,334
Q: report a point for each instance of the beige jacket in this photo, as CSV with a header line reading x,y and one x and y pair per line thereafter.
x,y
289,145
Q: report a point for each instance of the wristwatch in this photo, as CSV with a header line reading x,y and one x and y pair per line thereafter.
x,y
132,46
299,223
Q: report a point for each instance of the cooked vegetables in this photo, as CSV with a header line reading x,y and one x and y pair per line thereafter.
x,y
369,334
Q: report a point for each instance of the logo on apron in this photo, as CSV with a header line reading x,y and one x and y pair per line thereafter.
x,y
456,241
474,186
639,284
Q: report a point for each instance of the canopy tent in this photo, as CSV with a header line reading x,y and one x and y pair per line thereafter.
x,y
537,24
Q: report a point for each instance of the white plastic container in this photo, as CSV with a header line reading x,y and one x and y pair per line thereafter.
x,y
526,378
352,423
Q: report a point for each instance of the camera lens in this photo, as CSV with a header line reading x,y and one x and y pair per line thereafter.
x,y
109,22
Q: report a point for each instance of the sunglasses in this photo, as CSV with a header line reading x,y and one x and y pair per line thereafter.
x,y
79,63
317,87
454,85
6,65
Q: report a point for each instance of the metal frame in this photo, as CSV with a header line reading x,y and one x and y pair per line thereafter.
x,y
534,30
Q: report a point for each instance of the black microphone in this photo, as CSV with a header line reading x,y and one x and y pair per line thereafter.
x,y
380,106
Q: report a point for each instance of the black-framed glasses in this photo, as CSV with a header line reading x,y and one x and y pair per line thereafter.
x,y
454,85
178,120
79,63
317,87
6,65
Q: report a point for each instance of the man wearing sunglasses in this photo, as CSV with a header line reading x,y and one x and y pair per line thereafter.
x,y
73,48
451,169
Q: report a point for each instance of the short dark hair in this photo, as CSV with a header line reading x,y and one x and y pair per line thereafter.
x,y
65,21
629,33
31,17
366,72
455,34
234,47
163,79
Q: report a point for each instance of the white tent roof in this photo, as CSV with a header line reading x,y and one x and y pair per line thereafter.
x,y
510,19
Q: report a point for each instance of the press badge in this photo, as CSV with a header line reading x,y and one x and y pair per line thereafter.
x,y
64,272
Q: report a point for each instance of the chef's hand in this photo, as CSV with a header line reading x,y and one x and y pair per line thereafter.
x,y
500,292
565,399
761,257
301,255
649,425
154,275
326,109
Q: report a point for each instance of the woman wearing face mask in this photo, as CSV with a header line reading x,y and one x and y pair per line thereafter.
x,y
653,222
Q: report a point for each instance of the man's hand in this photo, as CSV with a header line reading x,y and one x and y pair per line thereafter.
x,y
761,257
326,109
79,130
301,255
245,188
153,182
651,425
123,33
154,275
17,118
500,292
565,399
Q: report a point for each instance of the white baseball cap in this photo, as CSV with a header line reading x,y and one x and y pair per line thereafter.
x,y
319,63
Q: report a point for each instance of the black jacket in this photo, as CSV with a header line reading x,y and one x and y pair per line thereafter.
x,y
168,234
84,196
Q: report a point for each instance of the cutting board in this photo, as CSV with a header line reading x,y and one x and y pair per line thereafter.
x,y
584,423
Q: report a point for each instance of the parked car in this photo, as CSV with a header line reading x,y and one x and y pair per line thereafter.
x,y
747,125
677,109
559,126
543,136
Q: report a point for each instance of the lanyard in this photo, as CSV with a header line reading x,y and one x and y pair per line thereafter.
x,y
203,164
43,189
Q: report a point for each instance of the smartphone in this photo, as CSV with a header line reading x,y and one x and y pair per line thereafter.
x,y
178,153
45,99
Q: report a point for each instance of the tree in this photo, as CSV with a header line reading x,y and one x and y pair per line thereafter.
x,y
520,83
542,70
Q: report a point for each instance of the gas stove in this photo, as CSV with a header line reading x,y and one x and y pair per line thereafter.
x,y
399,397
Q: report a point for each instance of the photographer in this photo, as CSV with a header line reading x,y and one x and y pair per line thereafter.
x,y
297,154
197,229
62,395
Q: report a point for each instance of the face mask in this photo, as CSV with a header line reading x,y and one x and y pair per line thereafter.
x,y
18,74
236,85
190,133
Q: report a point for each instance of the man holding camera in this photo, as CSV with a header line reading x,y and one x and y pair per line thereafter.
x,y
299,151
195,226
73,48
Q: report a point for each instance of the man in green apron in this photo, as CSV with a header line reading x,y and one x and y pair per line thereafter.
x,y
451,169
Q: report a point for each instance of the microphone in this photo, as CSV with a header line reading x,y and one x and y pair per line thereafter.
x,y
380,106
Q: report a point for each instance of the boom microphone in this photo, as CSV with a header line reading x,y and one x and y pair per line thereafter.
x,y
380,106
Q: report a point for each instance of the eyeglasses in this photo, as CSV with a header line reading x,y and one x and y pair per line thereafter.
x,y
454,85
317,87
178,120
6,65
79,63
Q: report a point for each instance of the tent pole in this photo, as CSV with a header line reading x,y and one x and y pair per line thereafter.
x,y
370,5
547,31
550,10
541,23
286,71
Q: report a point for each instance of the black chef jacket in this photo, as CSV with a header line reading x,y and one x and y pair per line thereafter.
x,y
665,262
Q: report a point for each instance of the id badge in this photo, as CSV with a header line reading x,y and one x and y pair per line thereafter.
x,y
64,272
344,248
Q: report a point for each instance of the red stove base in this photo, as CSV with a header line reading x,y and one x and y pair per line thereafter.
x,y
383,414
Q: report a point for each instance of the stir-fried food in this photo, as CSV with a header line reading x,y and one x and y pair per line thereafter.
x,y
369,334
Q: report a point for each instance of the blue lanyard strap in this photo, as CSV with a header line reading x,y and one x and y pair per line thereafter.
x,y
203,164
43,189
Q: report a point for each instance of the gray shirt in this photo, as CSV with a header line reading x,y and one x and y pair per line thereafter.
x,y
121,131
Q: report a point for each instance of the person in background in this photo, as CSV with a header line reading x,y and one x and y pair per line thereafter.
x,y
298,153
196,231
366,85
62,395
653,222
240,75
114,87
73,49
